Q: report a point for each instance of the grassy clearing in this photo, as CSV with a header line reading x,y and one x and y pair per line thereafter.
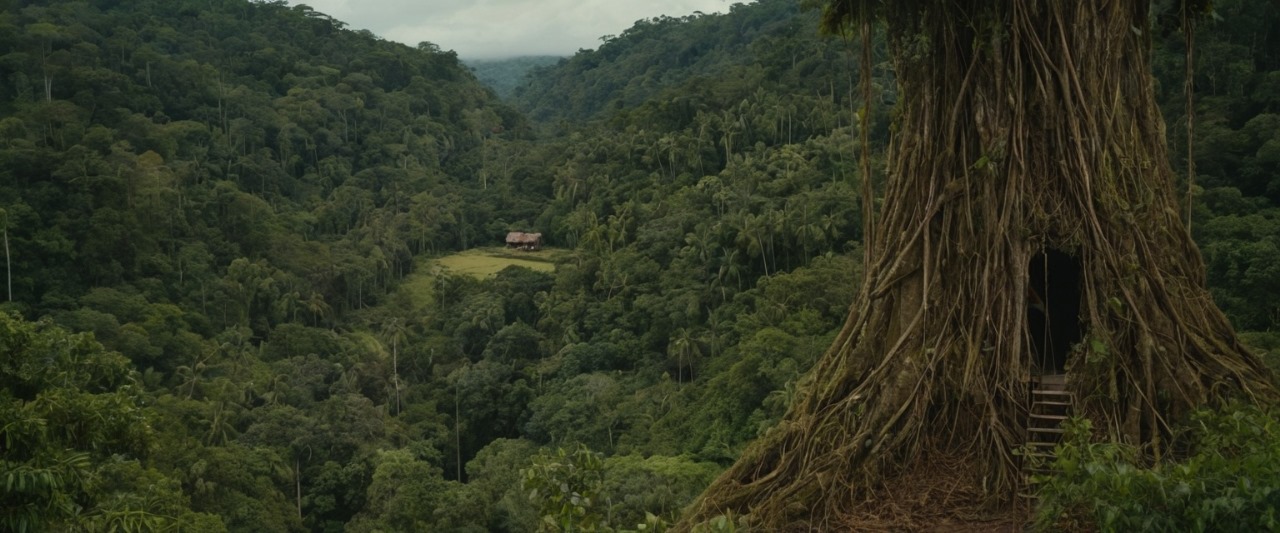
x,y
477,262
485,262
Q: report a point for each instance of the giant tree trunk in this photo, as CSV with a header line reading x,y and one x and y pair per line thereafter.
x,y
1025,127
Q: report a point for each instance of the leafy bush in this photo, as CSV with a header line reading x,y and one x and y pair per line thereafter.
x,y
636,487
1230,483
565,485
580,491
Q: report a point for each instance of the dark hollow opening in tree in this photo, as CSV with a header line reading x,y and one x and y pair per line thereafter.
x,y
1022,126
1053,309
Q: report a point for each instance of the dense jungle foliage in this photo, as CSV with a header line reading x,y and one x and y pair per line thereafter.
x,y
217,217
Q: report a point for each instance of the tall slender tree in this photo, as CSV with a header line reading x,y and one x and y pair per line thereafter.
x,y
1029,154
394,331
8,266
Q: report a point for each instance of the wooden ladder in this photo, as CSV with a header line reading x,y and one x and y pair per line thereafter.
x,y
1051,404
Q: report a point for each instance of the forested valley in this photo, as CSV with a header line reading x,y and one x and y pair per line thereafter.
x,y
222,221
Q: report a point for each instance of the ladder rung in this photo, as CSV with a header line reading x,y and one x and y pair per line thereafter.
x,y
1047,420
1050,406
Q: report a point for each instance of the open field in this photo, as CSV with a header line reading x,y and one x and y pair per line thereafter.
x,y
477,262
485,262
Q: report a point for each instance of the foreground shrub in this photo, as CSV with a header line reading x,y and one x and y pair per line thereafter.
x,y
1230,482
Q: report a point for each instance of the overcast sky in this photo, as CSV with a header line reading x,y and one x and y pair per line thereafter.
x,y
490,29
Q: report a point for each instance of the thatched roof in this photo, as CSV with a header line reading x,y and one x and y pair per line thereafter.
x,y
519,237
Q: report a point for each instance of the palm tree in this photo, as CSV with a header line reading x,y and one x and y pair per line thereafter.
x,y
699,242
317,306
219,424
289,303
236,347
807,228
729,268
684,345
190,376
715,335
750,236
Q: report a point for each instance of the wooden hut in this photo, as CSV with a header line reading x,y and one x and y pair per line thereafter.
x,y
524,241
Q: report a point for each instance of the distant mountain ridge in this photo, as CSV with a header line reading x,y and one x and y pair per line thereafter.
x,y
504,75
664,52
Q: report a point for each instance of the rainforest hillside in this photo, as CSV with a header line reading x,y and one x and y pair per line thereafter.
x,y
759,43
190,183
226,226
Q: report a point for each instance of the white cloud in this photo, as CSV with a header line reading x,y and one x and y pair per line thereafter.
x,y
504,28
